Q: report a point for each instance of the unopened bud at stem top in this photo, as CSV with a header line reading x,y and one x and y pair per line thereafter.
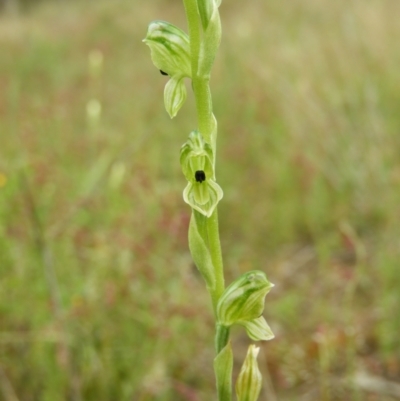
x,y
248,385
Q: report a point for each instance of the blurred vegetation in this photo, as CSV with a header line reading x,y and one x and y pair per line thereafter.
x,y
99,299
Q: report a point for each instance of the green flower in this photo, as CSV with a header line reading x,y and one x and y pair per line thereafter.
x,y
242,303
202,193
170,52
170,48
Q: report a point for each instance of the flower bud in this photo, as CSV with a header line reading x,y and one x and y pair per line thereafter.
x,y
170,48
248,384
202,192
243,300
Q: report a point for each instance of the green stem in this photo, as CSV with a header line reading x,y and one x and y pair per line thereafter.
x,y
208,228
201,87
216,257
202,95
221,337
194,28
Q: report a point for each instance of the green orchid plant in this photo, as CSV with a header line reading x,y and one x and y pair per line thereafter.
x,y
180,55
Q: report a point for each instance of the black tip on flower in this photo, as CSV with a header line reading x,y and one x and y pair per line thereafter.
x,y
200,176
163,73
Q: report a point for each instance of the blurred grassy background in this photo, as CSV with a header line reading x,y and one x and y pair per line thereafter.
x,y
99,299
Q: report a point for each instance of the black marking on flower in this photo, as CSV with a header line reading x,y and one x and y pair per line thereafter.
x,y
200,176
163,73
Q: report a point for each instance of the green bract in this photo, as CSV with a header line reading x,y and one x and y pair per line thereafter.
x,y
248,384
205,11
210,42
223,364
243,300
200,252
170,52
202,192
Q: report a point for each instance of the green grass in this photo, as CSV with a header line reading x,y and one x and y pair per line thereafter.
x,y
99,299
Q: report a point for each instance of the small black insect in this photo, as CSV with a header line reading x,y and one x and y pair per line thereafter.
x,y
163,73
200,176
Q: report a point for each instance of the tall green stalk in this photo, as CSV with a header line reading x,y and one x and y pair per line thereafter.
x,y
181,56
